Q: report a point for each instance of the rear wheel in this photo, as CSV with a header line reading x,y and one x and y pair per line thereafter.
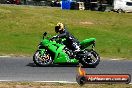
x,y
42,60
92,60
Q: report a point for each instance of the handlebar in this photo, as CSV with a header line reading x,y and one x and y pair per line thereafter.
x,y
44,34
54,38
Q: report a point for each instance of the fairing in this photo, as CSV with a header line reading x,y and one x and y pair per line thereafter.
x,y
58,49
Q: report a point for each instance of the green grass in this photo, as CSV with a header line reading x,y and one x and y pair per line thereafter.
x,y
59,85
21,29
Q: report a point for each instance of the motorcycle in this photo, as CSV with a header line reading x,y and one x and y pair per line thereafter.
x,y
55,52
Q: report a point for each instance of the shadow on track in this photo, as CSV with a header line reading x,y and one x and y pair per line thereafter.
x,y
54,65
57,65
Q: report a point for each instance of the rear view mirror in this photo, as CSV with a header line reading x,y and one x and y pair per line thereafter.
x,y
45,33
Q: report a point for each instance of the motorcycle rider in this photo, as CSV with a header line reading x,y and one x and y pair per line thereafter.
x,y
71,42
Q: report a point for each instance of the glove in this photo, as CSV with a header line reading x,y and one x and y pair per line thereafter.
x,y
54,37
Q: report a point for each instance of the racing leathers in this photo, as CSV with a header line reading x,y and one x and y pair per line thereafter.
x,y
71,42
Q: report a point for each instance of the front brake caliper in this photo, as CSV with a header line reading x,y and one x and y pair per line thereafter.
x,y
42,51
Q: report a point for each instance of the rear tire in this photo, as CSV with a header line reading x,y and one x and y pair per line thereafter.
x,y
91,61
44,60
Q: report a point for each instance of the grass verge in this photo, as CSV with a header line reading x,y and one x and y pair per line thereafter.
x,y
59,85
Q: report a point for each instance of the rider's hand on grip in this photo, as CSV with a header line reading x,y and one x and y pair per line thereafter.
x,y
53,38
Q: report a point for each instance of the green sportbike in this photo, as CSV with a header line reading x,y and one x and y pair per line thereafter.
x,y
55,52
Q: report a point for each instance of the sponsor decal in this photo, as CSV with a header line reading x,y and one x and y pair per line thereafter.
x,y
82,78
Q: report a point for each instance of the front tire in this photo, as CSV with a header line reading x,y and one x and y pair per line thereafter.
x,y
92,60
42,60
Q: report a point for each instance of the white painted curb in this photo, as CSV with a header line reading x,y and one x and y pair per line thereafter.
x,y
5,56
114,59
56,81
40,81
5,80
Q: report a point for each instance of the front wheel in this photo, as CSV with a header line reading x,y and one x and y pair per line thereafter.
x,y
42,60
92,60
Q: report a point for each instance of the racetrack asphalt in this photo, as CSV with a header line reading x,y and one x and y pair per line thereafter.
x,y
23,69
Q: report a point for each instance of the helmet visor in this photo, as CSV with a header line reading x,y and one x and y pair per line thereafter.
x,y
57,29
